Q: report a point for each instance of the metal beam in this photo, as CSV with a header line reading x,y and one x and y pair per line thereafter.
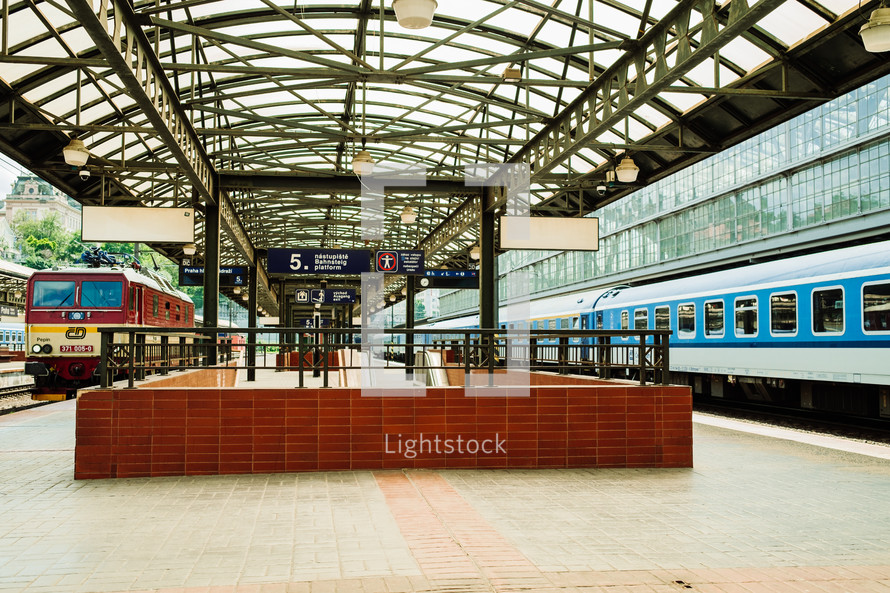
x,y
623,88
129,53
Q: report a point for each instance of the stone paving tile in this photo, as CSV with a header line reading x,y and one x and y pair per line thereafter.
x,y
755,515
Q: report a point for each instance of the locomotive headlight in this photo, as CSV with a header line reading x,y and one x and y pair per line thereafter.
x,y
47,348
36,349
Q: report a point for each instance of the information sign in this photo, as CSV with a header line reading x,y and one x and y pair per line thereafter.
x,y
318,261
397,261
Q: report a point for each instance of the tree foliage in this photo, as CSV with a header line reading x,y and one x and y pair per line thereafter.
x,y
45,243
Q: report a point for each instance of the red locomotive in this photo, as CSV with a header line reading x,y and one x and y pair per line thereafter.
x,y
65,309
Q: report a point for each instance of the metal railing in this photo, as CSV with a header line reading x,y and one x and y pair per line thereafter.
x,y
133,353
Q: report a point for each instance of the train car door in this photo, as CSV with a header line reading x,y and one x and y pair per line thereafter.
x,y
585,351
137,298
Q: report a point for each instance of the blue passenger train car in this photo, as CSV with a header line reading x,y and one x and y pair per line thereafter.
x,y
807,332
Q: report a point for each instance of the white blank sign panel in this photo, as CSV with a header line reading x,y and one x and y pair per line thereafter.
x,y
545,232
142,225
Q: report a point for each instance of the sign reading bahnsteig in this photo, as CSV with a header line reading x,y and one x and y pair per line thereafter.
x,y
319,261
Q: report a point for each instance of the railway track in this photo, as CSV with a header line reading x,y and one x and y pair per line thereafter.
x,y
850,427
17,397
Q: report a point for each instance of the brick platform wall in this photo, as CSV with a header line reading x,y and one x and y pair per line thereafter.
x,y
172,432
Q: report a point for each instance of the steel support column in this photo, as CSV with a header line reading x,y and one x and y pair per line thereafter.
x,y
488,297
211,265
251,322
409,324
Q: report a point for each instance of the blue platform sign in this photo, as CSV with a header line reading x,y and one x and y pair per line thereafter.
x,y
398,261
228,276
451,273
318,261
332,296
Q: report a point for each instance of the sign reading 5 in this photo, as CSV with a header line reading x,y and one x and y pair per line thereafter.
x,y
295,263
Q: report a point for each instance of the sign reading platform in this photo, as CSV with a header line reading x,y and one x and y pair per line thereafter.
x,y
400,262
326,296
319,261
228,276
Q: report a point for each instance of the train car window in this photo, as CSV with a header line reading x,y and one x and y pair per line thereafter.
x,y
563,324
746,316
625,320
101,294
876,307
167,310
575,323
663,317
154,305
714,318
178,311
552,324
641,319
828,311
132,297
686,320
783,313
53,293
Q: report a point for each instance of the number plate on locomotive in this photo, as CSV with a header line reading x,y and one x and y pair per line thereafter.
x,y
76,348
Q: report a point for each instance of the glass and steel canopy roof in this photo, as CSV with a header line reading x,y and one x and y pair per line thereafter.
x,y
261,105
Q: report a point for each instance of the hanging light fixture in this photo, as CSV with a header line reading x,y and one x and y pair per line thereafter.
x,y
392,298
409,215
17,293
76,153
627,170
475,252
363,164
244,297
876,32
189,249
405,291
237,290
414,14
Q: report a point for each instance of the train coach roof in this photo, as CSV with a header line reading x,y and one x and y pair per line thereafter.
x,y
815,267
145,277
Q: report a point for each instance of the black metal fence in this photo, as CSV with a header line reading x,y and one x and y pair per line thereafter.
x,y
133,353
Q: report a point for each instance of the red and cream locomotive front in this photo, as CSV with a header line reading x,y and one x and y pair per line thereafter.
x,y
64,312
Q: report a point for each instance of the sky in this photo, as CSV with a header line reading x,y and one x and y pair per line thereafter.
x,y
9,172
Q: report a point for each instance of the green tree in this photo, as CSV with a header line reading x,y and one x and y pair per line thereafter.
x,y
44,243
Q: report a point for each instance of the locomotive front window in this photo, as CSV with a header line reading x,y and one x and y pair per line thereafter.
x,y
53,293
876,308
101,294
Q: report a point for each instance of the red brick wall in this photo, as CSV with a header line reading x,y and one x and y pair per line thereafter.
x,y
169,432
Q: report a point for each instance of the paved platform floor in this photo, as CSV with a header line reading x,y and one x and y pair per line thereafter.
x,y
756,514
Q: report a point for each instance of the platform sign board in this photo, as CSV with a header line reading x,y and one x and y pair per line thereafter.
x,y
326,296
126,224
398,261
228,276
318,261
449,279
549,233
